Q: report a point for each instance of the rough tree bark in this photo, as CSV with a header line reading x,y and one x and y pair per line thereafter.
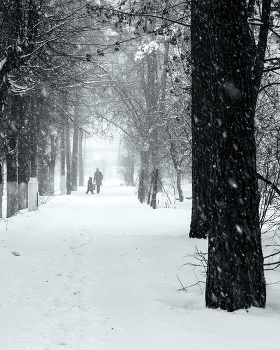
x,y
235,277
1,187
201,120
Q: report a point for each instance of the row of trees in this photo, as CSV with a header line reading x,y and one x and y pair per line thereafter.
x,y
164,73
151,101
45,65
65,59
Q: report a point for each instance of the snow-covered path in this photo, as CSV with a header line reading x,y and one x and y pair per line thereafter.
x,y
99,272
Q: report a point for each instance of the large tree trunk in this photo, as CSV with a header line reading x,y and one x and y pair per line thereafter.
x,y
1,186
201,120
235,277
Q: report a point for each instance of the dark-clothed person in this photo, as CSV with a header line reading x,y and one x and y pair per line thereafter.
x,y
98,177
89,186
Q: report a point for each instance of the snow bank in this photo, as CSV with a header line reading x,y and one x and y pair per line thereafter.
x,y
100,272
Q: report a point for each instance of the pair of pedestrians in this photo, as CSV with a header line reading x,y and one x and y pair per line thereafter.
x,y
98,177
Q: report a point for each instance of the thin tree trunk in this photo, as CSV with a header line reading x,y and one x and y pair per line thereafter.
x,y
43,168
68,157
4,189
23,172
141,187
179,184
131,170
12,176
177,168
81,160
154,189
75,151
143,177
33,147
62,150
52,164
33,193
63,156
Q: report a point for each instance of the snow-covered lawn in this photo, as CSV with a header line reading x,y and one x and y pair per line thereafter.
x,y
90,272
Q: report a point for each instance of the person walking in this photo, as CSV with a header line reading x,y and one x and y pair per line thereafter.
x,y
98,177
89,186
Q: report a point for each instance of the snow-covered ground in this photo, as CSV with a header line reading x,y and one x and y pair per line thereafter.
x,y
90,272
